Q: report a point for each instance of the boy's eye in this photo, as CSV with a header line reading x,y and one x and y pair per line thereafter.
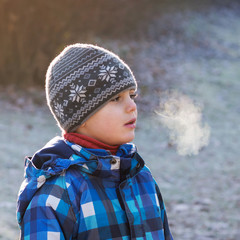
x,y
115,99
133,95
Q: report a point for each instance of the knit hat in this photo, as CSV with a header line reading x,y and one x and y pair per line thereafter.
x,y
81,80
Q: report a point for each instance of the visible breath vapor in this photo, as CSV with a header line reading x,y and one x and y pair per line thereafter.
x,y
178,113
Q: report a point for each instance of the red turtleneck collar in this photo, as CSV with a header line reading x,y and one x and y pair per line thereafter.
x,y
88,142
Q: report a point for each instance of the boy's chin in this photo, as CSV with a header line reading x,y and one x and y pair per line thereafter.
x,y
129,139
123,140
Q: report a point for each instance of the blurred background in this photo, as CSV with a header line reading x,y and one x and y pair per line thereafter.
x,y
192,47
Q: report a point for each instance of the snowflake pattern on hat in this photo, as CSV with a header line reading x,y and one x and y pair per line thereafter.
x,y
59,110
107,73
77,92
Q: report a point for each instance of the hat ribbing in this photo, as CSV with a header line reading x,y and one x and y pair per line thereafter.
x,y
81,80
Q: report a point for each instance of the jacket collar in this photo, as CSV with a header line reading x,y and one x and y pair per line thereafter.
x,y
101,163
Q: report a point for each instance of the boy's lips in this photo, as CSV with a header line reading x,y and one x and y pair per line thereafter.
x,y
131,123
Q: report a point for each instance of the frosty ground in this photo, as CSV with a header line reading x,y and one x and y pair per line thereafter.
x,y
201,192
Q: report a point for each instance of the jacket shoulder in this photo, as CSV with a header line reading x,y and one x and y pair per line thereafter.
x,y
50,210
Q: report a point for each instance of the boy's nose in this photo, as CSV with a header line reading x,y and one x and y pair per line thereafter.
x,y
131,106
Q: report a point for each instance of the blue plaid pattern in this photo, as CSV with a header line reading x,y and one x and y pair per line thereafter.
x,y
83,194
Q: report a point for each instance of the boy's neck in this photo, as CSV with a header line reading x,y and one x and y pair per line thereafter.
x,y
88,142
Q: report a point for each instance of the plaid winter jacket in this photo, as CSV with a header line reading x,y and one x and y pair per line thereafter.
x,y
74,193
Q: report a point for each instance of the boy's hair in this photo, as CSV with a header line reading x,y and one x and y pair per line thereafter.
x,y
81,80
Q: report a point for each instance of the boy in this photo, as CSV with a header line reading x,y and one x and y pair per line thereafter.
x,y
91,183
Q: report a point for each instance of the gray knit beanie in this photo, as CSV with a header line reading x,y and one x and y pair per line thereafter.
x,y
81,80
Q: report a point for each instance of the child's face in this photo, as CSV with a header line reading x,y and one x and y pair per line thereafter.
x,y
115,123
